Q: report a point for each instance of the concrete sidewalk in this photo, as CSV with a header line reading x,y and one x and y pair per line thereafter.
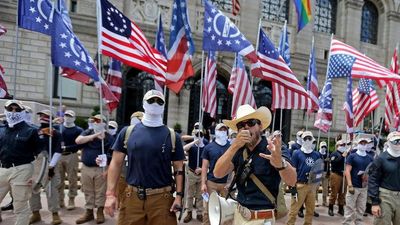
x,y
69,217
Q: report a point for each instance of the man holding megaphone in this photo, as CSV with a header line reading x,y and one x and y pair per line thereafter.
x,y
259,166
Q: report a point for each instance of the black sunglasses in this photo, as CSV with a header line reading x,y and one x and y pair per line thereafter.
x,y
307,138
196,127
250,123
395,142
157,100
12,108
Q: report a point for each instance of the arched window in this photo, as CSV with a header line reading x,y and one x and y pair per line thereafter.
x,y
325,16
276,10
369,23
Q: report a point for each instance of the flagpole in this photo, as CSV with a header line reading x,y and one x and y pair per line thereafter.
x,y
309,79
307,120
319,136
273,121
258,40
16,54
280,120
50,70
200,107
60,98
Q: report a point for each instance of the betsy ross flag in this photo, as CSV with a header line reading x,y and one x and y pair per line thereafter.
x,y
210,85
323,119
235,7
3,86
123,40
36,15
284,47
3,30
288,93
114,81
312,79
365,100
181,48
348,108
392,96
242,93
160,46
357,65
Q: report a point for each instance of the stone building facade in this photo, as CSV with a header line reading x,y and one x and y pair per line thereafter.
x,y
371,26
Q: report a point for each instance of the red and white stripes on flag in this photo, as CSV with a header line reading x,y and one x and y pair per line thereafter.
x,y
210,86
108,97
284,98
363,104
122,39
3,30
392,97
364,67
114,81
3,86
235,7
242,93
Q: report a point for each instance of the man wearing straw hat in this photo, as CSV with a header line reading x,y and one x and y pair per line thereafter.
x,y
259,165
16,168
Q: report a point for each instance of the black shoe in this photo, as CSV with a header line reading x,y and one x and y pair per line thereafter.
x,y
365,214
316,214
300,214
341,210
7,207
330,211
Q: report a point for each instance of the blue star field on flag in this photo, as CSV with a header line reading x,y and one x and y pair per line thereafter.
x,y
36,15
267,48
364,86
219,33
340,65
284,47
67,50
160,40
180,19
325,99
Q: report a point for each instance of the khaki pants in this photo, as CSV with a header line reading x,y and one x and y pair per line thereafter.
x,y
52,196
16,179
193,182
325,188
337,191
69,164
355,206
153,210
211,187
238,219
390,207
306,195
121,189
93,186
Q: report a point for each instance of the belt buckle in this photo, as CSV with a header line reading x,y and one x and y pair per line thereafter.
x,y
141,193
245,212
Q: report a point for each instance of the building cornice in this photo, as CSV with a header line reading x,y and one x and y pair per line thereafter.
x,y
354,4
393,16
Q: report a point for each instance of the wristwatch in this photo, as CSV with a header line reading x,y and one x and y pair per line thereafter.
x,y
284,165
179,193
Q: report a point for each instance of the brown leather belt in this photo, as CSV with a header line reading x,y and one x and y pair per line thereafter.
x,y
255,214
152,191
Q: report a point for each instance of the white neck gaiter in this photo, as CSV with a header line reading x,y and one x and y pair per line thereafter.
x,y
69,122
361,150
98,127
153,113
394,150
307,147
221,137
14,118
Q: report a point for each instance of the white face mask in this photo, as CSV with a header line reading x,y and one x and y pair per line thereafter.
x,y
221,137
152,114
393,150
135,121
98,127
341,149
112,131
14,117
362,148
323,150
307,146
69,121
153,109
90,125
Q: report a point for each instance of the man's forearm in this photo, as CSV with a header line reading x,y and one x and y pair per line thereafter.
x,y
224,163
289,175
178,166
114,171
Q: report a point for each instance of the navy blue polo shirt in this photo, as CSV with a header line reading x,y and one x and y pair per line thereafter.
x,y
69,135
194,158
249,195
358,163
92,149
294,147
212,152
149,155
337,163
303,163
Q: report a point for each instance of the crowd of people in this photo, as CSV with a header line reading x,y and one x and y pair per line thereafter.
x,y
151,175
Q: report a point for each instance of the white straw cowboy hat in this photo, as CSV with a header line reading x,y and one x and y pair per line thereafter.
x,y
245,112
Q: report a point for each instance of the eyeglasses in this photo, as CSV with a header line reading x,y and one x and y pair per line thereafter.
x,y
157,100
395,142
197,134
13,108
307,138
250,123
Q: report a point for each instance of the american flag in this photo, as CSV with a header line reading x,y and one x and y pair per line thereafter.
x,y
288,93
181,47
36,15
210,85
361,67
312,82
392,95
160,46
365,100
323,119
114,81
348,108
284,47
235,7
122,39
3,86
3,30
242,93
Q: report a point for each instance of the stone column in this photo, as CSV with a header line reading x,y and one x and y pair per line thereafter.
x,y
353,10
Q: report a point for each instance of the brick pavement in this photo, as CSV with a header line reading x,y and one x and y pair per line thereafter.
x,y
69,217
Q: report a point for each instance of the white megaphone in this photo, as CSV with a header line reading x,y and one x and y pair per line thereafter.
x,y
221,210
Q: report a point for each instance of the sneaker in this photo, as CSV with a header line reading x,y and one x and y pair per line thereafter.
x,y
199,218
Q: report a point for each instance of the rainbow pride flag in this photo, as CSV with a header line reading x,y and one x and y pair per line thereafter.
x,y
303,9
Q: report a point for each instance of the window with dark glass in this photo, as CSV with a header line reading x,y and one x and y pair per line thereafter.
x,y
276,10
325,16
369,23
225,5
74,5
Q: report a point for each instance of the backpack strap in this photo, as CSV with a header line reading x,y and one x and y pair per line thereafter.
x,y
128,133
259,184
173,138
